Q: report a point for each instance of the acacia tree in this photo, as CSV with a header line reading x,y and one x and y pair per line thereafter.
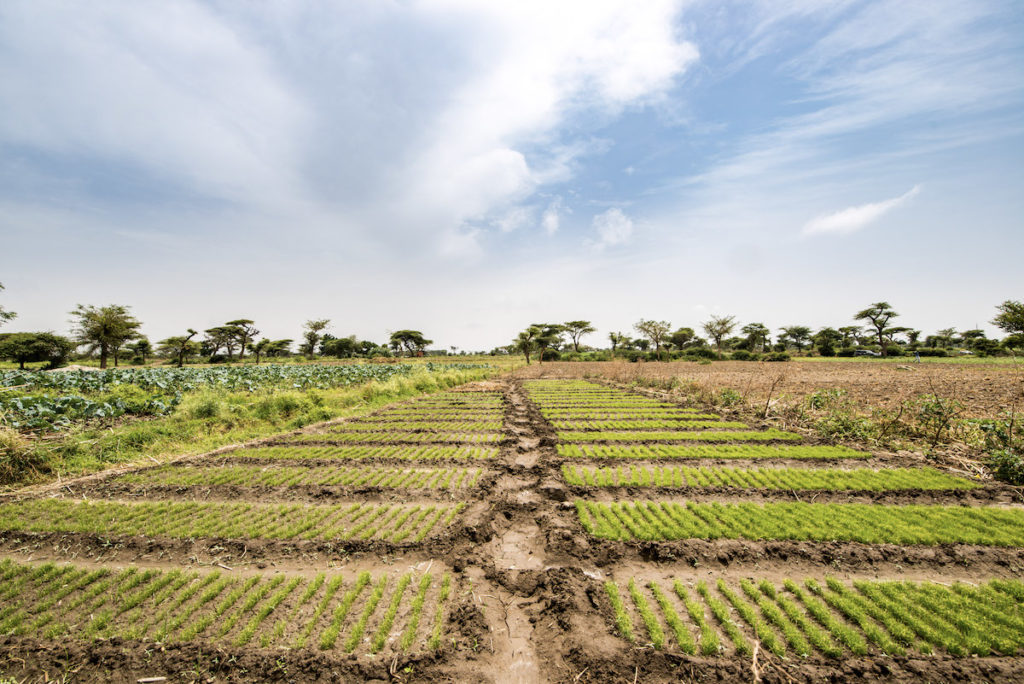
x,y
797,335
244,332
37,346
6,315
526,341
719,327
311,332
221,336
849,334
142,347
878,314
412,341
550,336
655,331
682,337
104,329
576,330
757,335
826,339
1010,318
178,346
616,339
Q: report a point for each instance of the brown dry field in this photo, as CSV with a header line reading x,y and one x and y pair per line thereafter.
x,y
985,390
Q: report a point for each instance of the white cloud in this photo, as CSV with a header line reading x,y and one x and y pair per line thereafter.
x,y
852,219
613,228
551,219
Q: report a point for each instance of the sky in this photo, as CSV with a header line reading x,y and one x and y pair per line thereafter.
x,y
468,168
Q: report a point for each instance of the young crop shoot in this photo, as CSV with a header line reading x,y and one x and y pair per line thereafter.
x,y
708,451
837,620
769,435
348,614
294,476
788,479
357,453
388,522
869,524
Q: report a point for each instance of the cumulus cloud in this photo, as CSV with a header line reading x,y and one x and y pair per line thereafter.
x,y
852,219
613,228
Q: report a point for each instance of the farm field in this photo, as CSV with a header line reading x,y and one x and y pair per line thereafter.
x,y
518,530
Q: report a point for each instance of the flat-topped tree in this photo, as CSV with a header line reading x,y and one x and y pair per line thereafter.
x,y
142,347
245,332
878,314
1010,318
225,336
797,335
655,331
757,336
576,330
412,341
104,329
179,346
311,333
36,346
718,328
6,315
549,337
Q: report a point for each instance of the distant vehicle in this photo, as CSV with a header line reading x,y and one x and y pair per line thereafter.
x,y
966,352
865,352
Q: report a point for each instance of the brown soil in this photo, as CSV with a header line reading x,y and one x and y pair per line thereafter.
x,y
530,605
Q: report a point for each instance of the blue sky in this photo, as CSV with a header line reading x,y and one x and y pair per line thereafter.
x,y
469,168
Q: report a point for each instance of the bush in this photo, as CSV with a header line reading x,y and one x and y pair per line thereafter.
x,y
925,351
826,350
700,353
845,352
729,397
777,356
744,355
1004,441
18,462
1007,466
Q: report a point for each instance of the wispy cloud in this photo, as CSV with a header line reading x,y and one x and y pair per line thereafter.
x,y
613,228
852,219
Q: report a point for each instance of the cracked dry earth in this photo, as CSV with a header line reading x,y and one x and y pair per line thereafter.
x,y
440,540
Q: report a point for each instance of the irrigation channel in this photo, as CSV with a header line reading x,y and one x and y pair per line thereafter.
x,y
517,531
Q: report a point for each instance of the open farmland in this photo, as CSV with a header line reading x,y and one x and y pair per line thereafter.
x,y
518,530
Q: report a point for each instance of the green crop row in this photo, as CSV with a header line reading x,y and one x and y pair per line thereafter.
x,y
645,425
268,611
355,453
254,476
603,404
869,524
708,451
390,522
418,426
861,479
768,435
835,620
387,436
639,414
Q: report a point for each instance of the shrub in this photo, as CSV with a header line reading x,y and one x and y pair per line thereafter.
x,y
1004,441
18,462
744,355
924,351
729,397
777,356
893,350
845,352
701,353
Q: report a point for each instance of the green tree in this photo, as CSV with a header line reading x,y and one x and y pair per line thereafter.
x,y
245,332
719,327
412,341
550,337
6,315
279,348
878,315
655,331
526,341
757,336
1010,318
797,335
225,336
32,347
311,333
141,347
681,337
826,340
576,330
850,334
104,329
179,346
617,339
261,348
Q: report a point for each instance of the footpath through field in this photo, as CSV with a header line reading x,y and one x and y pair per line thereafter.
x,y
517,531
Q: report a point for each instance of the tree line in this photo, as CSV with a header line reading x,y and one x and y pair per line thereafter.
x,y
112,333
876,333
